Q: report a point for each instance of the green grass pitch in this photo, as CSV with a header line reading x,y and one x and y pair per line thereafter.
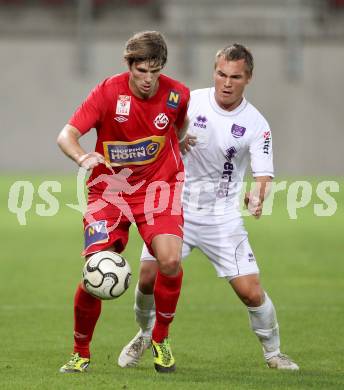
x,y
302,268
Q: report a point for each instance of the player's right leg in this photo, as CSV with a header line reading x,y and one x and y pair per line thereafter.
x,y
144,308
86,313
99,235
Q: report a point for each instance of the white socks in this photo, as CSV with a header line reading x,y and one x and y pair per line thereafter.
x,y
144,311
264,324
262,319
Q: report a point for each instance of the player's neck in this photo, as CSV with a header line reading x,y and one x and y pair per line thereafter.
x,y
231,106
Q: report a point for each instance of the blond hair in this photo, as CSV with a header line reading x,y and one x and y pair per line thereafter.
x,y
236,52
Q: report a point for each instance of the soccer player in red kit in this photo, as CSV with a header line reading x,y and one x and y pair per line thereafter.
x,y
137,176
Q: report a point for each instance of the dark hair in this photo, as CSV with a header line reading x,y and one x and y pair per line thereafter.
x,y
146,46
236,52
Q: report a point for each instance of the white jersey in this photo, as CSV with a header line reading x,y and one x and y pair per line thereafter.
x,y
226,142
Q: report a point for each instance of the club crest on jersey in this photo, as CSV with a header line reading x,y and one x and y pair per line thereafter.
x,y
237,131
96,233
140,152
173,99
123,105
201,121
161,121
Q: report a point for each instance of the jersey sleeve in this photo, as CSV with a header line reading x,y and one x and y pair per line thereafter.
x,y
90,112
261,151
183,108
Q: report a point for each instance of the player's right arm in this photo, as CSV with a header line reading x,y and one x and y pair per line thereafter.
x,y
68,141
88,115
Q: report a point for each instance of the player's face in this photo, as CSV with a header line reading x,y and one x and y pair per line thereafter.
x,y
144,79
230,79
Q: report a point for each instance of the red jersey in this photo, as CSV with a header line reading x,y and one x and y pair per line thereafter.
x,y
135,133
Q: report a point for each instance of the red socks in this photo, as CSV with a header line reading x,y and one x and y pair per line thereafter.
x,y
166,295
86,313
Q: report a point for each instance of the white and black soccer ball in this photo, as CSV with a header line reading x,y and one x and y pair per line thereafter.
x,y
106,275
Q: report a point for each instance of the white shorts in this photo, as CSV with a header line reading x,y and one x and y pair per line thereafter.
x,y
225,244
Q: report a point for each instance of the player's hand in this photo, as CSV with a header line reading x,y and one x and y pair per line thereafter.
x,y
187,143
253,204
91,160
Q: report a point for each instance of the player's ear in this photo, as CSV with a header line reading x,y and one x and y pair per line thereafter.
x,y
128,64
214,75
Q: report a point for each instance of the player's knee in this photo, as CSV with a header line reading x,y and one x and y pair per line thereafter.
x,y
169,265
148,270
253,297
147,279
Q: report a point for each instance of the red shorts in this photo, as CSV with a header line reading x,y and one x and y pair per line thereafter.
x,y
108,219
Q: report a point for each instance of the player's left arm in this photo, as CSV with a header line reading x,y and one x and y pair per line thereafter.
x,y
254,200
181,125
186,141
260,149
181,132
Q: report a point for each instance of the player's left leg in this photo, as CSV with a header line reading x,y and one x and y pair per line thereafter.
x,y
163,237
263,319
167,250
144,306
227,247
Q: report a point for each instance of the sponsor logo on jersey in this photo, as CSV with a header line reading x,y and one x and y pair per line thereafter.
x,y
120,119
237,131
140,152
230,152
123,105
96,233
227,172
201,122
161,121
173,99
267,140
267,134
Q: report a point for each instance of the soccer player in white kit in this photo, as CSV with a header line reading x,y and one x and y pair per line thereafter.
x,y
227,132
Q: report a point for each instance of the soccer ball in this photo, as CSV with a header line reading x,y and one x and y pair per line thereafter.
x,y
106,275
